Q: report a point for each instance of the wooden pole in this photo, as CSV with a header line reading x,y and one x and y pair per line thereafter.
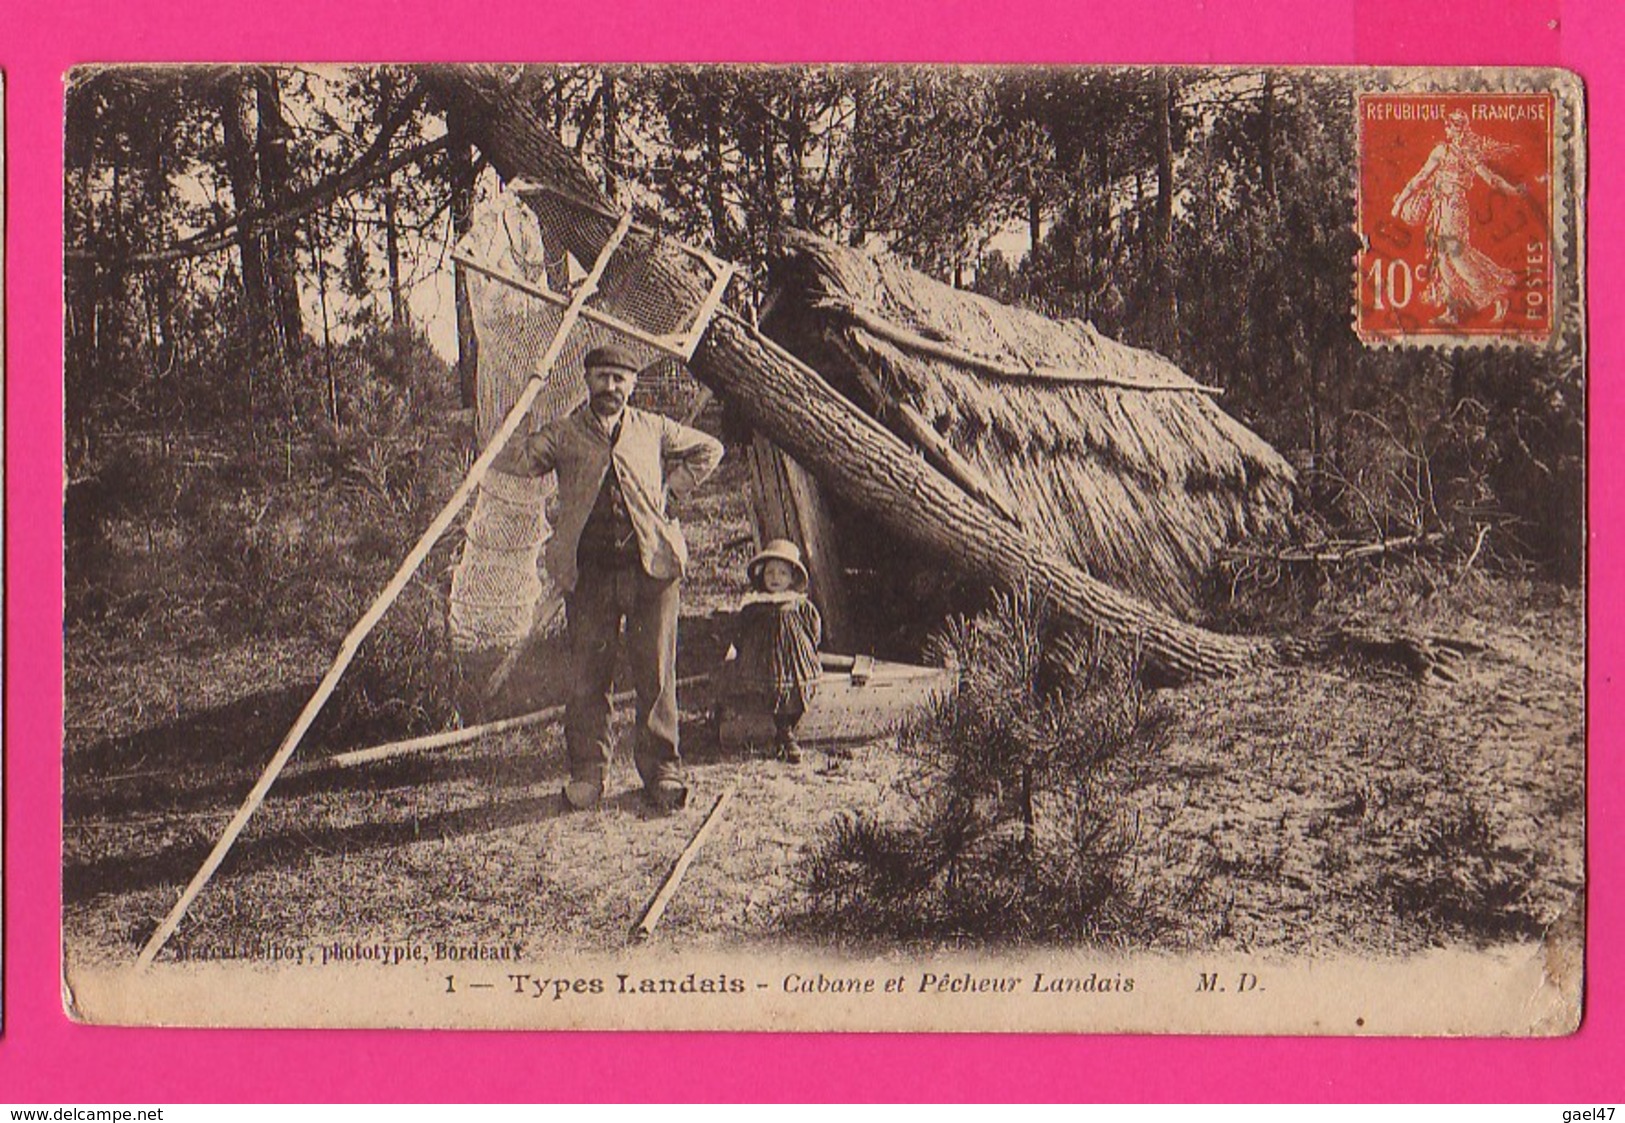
x,y
475,732
454,736
352,642
933,444
645,927
912,341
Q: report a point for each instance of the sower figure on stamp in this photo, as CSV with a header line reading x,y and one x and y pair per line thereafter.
x,y
618,556
1462,279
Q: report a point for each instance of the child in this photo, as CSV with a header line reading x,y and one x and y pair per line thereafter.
x,y
777,665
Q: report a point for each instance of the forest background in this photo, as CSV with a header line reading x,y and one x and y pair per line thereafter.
x,y
268,370
263,253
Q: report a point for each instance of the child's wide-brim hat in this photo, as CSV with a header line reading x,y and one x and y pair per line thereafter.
x,y
780,549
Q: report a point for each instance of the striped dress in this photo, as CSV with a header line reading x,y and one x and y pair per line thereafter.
x,y
777,663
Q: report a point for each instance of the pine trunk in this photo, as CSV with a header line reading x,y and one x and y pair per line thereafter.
x,y
715,199
159,282
1266,155
612,126
319,251
462,221
276,186
1168,297
392,255
796,143
239,126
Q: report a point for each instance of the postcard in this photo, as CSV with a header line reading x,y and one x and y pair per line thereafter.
x,y
1079,550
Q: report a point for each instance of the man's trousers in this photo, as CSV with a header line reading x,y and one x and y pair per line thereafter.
x,y
603,598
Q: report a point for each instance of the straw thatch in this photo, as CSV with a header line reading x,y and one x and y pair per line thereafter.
x,y
1109,454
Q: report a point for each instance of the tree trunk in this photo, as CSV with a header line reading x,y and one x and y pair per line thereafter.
x,y
796,145
612,117
875,471
159,282
859,232
1316,445
1168,304
276,187
81,283
1266,156
392,255
715,201
392,240
319,250
462,221
111,312
510,133
849,451
238,127
769,211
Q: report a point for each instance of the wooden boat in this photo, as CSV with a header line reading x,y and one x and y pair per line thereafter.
x,y
859,699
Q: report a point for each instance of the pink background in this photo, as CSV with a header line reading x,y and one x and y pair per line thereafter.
x,y
43,1057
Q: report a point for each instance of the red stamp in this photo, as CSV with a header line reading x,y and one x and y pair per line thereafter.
x,y
1455,217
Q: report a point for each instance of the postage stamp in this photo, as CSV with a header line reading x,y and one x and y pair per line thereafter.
x,y
1456,217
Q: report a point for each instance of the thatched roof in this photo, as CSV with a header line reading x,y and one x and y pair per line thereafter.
x,y
1108,453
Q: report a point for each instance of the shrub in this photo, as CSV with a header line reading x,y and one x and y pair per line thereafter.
x,y
405,680
1014,833
1456,876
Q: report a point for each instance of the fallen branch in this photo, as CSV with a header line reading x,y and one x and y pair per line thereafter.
x,y
1477,546
645,926
452,737
880,328
1345,553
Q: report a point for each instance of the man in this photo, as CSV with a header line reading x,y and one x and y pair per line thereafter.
x,y
616,556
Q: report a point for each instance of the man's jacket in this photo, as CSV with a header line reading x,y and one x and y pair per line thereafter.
x,y
654,455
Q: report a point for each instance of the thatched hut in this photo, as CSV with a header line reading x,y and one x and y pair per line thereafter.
x,y
1107,454
1176,475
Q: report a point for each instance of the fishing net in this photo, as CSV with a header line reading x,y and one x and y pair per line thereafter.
x,y
654,284
495,585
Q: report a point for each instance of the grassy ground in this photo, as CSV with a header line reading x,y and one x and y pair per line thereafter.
x,y
1318,809
1298,810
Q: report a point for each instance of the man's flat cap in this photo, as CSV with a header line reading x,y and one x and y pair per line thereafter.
x,y
609,355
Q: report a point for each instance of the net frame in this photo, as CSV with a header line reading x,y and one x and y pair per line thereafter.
x,y
380,605
557,211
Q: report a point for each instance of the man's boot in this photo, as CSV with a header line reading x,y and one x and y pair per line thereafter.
x,y
583,793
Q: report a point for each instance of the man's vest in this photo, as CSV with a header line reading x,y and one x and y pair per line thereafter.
x,y
608,538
